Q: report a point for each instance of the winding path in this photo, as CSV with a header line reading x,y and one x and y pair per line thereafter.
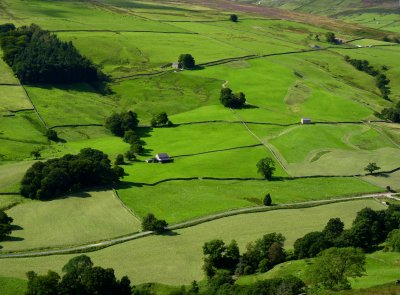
x,y
193,222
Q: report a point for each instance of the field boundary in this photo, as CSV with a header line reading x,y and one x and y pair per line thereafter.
x,y
190,223
121,31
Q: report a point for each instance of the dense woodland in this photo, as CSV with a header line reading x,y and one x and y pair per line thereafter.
x,y
37,56
45,180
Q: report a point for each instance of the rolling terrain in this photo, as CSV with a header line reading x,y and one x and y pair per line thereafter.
x,y
276,54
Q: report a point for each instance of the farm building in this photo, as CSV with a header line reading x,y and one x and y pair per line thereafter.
x,y
175,65
305,121
163,158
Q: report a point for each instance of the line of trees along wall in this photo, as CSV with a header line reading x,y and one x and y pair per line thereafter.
x,y
37,56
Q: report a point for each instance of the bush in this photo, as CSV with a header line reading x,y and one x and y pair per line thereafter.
x,y
130,155
119,160
187,61
151,223
160,120
5,225
233,18
231,100
52,135
267,200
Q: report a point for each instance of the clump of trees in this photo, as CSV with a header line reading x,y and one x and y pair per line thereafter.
x,y
382,82
232,100
46,180
52,135
119,123
334,266
260,256
151,223
37,56
369,229
160,120
80,277
330,37
266,167
186,61
5,225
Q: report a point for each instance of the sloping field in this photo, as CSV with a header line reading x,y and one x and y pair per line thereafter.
x,y
76,219
180,260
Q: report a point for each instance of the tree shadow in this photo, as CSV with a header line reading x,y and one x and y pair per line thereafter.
x,y
16,227
13,239
250,106
168,233
144,131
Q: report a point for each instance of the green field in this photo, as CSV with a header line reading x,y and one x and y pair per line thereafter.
x,y
74,220
12,286
180,260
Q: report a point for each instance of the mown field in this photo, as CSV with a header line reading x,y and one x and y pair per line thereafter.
x,y
73,220
180,260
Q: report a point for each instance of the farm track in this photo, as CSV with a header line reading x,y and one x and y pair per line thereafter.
x,y
121,31
190,223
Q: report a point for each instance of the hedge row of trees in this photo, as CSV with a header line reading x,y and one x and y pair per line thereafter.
x,y
37,56
45,180
382,82
5,225
391,114
260,256
369,229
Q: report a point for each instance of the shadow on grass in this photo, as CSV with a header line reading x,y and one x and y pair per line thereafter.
x,y
16,227
13,239
168,233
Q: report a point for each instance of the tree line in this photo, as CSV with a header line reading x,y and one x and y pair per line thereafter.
x,y
90,167
5,225
382,82
368,230
37,56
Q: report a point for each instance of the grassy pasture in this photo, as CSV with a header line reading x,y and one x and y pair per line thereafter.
x,y
180,260
78,104
13,98
77,15
11,174
76,219
172,93
392,180
182,200
385,21
12,286
110,145
381,268
6,74
126,53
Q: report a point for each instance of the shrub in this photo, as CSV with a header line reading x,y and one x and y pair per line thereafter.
x,y
267,200
52,135
160,120
187,61
119,160
233,18
151,223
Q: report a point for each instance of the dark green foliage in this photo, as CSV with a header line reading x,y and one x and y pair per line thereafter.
x,y
151,223
160,120
266,167
36,56
130,155
219,256
80,278
369,229
222,284
263,254
231,100
330,37
382,81
52,135
36,154
5,225
371,167
393,241
43,285
233,18
267,200
6,28
130,137
45,180
332,267
391,114
137,148
186,61
120,123
119,160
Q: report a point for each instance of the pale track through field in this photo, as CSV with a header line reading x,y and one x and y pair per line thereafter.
x,y
193,222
